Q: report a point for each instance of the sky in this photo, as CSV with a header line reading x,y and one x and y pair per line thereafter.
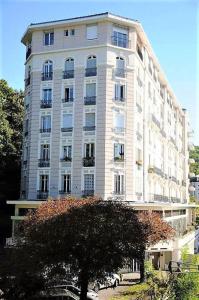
x,y
171,26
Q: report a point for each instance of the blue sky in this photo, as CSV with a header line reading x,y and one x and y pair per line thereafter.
x,y
171,26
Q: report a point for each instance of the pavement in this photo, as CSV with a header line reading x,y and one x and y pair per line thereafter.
x,y
128,280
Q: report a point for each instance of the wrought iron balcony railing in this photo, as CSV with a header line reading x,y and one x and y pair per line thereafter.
x,y
90,100
66,159
120,72
64,192
67,100
68,74
47,76
90,72
46,103
43,130
67,129
86,193
42,195
89,161
44,163
89,128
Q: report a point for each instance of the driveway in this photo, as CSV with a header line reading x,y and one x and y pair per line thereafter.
x,y
128,280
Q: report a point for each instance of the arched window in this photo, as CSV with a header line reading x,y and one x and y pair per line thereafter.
x,y
91,66
69,68
120,67
47,70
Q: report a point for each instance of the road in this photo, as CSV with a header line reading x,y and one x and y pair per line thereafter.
x,y
128,280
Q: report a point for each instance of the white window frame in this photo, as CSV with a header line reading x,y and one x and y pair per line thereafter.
x,y
92,32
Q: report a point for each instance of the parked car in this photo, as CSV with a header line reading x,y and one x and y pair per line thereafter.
x,y
57,294
91,295
110,280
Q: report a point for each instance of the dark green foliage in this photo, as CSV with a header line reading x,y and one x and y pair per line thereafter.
x,y
194,168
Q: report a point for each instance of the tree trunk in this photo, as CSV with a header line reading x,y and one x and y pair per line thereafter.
x,y
83,285
142,268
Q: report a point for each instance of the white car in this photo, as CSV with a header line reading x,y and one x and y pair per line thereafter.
x,y
110,280
91,295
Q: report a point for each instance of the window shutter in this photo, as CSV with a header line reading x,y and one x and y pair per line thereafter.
x,y
91,32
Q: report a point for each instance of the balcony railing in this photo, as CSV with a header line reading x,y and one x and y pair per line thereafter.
x,y
118,193
120,72
43,130
27,81
42,195
44,163
89,128
67,100
47,76
90,72
89,161
158,198
28,52
66,159
119,99
68,74
64,192
90,100
119,159
175,200
86,193
156,170
120,42
46,103
67,129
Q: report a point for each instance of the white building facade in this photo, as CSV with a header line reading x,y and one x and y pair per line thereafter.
x,y
101,119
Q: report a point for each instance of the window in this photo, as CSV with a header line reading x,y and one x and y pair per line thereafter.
x,y
118,152
67,153
66,32
45,123
119,184
66,183
90,119
47,70
27,100
72,32
67,120
91,66
119,92
45,152
26,153
90,89
69,68
89,182
120,65
91,32
43,183
89,150
120,37
48,38
47,94
68,94
119,122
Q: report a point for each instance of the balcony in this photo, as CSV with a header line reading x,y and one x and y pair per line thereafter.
x,y
28,52
156,170
175,200
46,104
119,99
121,193
27,81
68,74
89,128
174,179
119,159
90,100
158,198
89,161
45,130
64,192
47,76
67,100
66,159
44,163
42,195
90,72
118,72
67,129
120,42
87,193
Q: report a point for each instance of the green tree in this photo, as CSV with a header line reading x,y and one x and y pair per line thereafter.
x,y
194,168
92,236
11,127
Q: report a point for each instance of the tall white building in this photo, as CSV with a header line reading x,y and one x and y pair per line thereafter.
x,y
101,118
